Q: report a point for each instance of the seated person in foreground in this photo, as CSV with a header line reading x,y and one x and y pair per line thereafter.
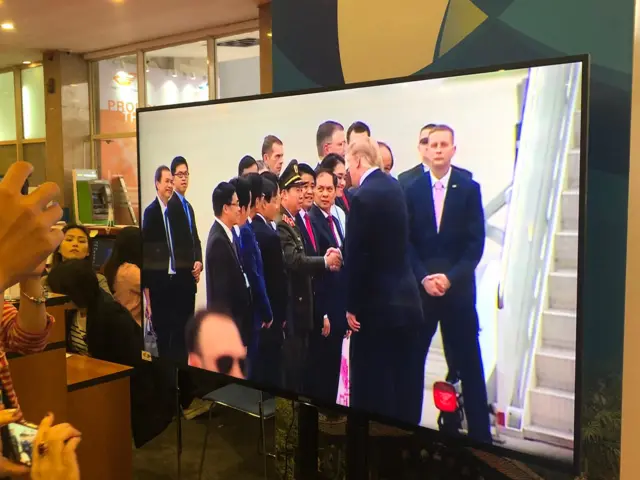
x,y
104,329
100,326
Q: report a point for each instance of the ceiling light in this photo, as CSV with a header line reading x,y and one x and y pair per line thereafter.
x,y
26,62
7,26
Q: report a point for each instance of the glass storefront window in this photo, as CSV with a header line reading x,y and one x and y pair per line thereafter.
x,y
119,157
8,155
177,74
36,155
238,68
33,103
7,108
116,98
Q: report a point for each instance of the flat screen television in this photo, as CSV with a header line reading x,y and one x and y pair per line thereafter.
x,y
432,279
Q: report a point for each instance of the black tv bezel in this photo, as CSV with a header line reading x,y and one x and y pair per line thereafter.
x,y
425,432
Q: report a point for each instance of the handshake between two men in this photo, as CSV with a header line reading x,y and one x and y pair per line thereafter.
x,y
333,259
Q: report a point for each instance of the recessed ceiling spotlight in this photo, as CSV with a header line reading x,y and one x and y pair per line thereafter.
x,y
7,26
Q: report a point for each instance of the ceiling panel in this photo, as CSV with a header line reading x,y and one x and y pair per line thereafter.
x,y
89,25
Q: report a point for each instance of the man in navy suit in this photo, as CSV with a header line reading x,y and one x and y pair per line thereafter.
x,y
266,211
447,242
251,260
382,300
329,291
408,176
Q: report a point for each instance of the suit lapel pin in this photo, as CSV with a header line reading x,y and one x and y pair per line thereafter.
x,y
454,185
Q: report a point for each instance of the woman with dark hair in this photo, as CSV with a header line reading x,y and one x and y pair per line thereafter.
x,y
122,271
102,328
99,327
76,245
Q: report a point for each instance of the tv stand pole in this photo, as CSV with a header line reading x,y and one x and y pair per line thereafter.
x,y
306,464
357,447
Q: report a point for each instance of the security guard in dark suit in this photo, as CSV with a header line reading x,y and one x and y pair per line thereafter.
x,y
300,270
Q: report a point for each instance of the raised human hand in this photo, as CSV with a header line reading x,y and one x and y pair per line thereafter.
x,y
26,234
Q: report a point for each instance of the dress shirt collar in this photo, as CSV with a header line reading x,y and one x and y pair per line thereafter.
x,y
180,197
326,215
444,180
227,230
367,173
163,207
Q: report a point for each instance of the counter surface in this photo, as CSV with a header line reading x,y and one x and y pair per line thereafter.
x,y
83,372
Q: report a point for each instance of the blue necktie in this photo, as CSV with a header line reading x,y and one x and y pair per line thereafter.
x,y
185,205
167,229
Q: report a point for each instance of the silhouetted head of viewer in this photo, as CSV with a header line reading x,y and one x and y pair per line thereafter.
x,y
77,280
214,344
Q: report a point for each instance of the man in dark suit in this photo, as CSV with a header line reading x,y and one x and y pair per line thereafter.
x,y
267,210
228,287
303,220
329,293
300,268
251,260
405,179
188,253
408,176
383,302
159,267
186,242
275,179
337,165
447,242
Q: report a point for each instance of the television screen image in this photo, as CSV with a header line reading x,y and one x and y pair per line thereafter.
x,y
408,249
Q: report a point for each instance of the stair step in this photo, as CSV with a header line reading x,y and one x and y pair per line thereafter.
x,y
549,435
556,369
559,329
573,169
566,250
570,210
562,290
552,409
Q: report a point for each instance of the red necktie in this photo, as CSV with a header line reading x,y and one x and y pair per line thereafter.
x,y
346,202
307,223
332,227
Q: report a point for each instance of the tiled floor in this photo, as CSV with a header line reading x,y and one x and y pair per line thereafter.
x,y
232,450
